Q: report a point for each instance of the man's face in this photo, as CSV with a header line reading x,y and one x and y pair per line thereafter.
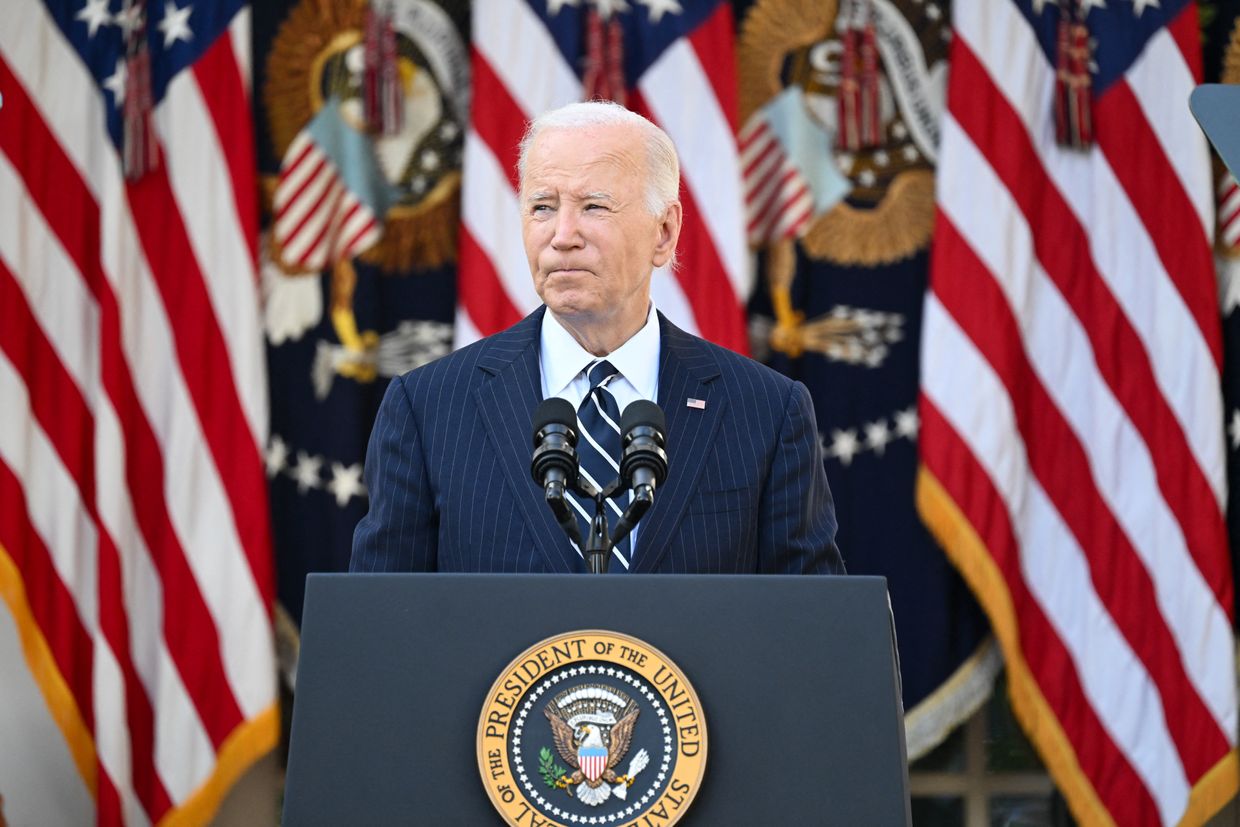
x,y
590,241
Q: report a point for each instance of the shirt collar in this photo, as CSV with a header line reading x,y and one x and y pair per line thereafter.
x,y
637,359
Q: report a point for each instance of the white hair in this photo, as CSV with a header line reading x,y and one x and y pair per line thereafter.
x,y
663,167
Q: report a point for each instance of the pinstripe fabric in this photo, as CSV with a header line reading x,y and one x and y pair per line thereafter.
x,y
746,491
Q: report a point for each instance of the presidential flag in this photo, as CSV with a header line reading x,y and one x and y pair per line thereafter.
x,y
1072,436
360,271
670,60
839,183
135,554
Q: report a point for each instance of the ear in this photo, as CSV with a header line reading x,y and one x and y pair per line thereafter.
x,y
668,234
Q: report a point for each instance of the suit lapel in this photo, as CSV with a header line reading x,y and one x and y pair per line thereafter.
x,y
686,371
506,404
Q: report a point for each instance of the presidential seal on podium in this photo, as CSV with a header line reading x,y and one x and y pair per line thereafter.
x,y
592,727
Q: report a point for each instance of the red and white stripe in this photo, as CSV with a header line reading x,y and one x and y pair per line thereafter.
x,y
1072,415
518,73
318,220
778,201
131,368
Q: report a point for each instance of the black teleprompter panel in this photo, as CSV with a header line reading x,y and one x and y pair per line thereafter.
x,y
796,676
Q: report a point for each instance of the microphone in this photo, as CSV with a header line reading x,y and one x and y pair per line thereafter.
x,y
554,465
643,460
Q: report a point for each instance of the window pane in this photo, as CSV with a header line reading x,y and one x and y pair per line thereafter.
x,y
1007,749
1020,811
946,757
941,811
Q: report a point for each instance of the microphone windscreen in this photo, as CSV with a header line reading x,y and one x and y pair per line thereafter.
x,y
643,412
554,410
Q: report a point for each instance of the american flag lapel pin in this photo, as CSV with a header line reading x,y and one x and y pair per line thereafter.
x,y
700,404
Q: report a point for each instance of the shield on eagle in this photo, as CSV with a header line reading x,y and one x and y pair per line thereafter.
x,y
591,756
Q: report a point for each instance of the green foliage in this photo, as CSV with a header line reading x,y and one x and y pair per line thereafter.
x,y
550,771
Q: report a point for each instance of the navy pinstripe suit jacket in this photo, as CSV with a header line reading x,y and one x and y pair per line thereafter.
x,y
450,490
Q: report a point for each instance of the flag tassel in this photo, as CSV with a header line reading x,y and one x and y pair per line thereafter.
x,y
603,78
1073,85
139,147
382,93
858,100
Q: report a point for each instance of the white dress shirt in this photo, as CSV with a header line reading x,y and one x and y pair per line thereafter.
x,y
563,363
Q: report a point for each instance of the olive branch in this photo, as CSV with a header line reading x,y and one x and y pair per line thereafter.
x,y
550,771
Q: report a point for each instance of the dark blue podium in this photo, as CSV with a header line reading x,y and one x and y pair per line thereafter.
x,y
1216,106
796,676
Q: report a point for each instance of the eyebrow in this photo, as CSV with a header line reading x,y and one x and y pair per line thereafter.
x,y
546,195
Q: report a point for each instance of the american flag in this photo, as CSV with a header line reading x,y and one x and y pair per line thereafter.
x,y
529,56
1071,416
134,538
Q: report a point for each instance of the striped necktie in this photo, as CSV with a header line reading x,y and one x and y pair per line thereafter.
x,y
598,451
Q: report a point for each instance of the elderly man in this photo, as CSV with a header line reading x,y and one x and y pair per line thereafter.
x,y
448,462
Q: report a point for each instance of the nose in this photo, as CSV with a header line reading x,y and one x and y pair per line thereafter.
x,y
567,235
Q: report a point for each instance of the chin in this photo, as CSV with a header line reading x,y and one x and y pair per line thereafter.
x,y
573,311
570,304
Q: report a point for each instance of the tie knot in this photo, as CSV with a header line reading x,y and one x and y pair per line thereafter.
x,y
600,373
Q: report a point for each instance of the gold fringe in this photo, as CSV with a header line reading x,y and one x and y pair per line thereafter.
x,y
900,225
247,743
969,554
768,33
1215,789
42,664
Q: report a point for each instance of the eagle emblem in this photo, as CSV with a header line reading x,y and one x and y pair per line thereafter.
x,y
592,726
